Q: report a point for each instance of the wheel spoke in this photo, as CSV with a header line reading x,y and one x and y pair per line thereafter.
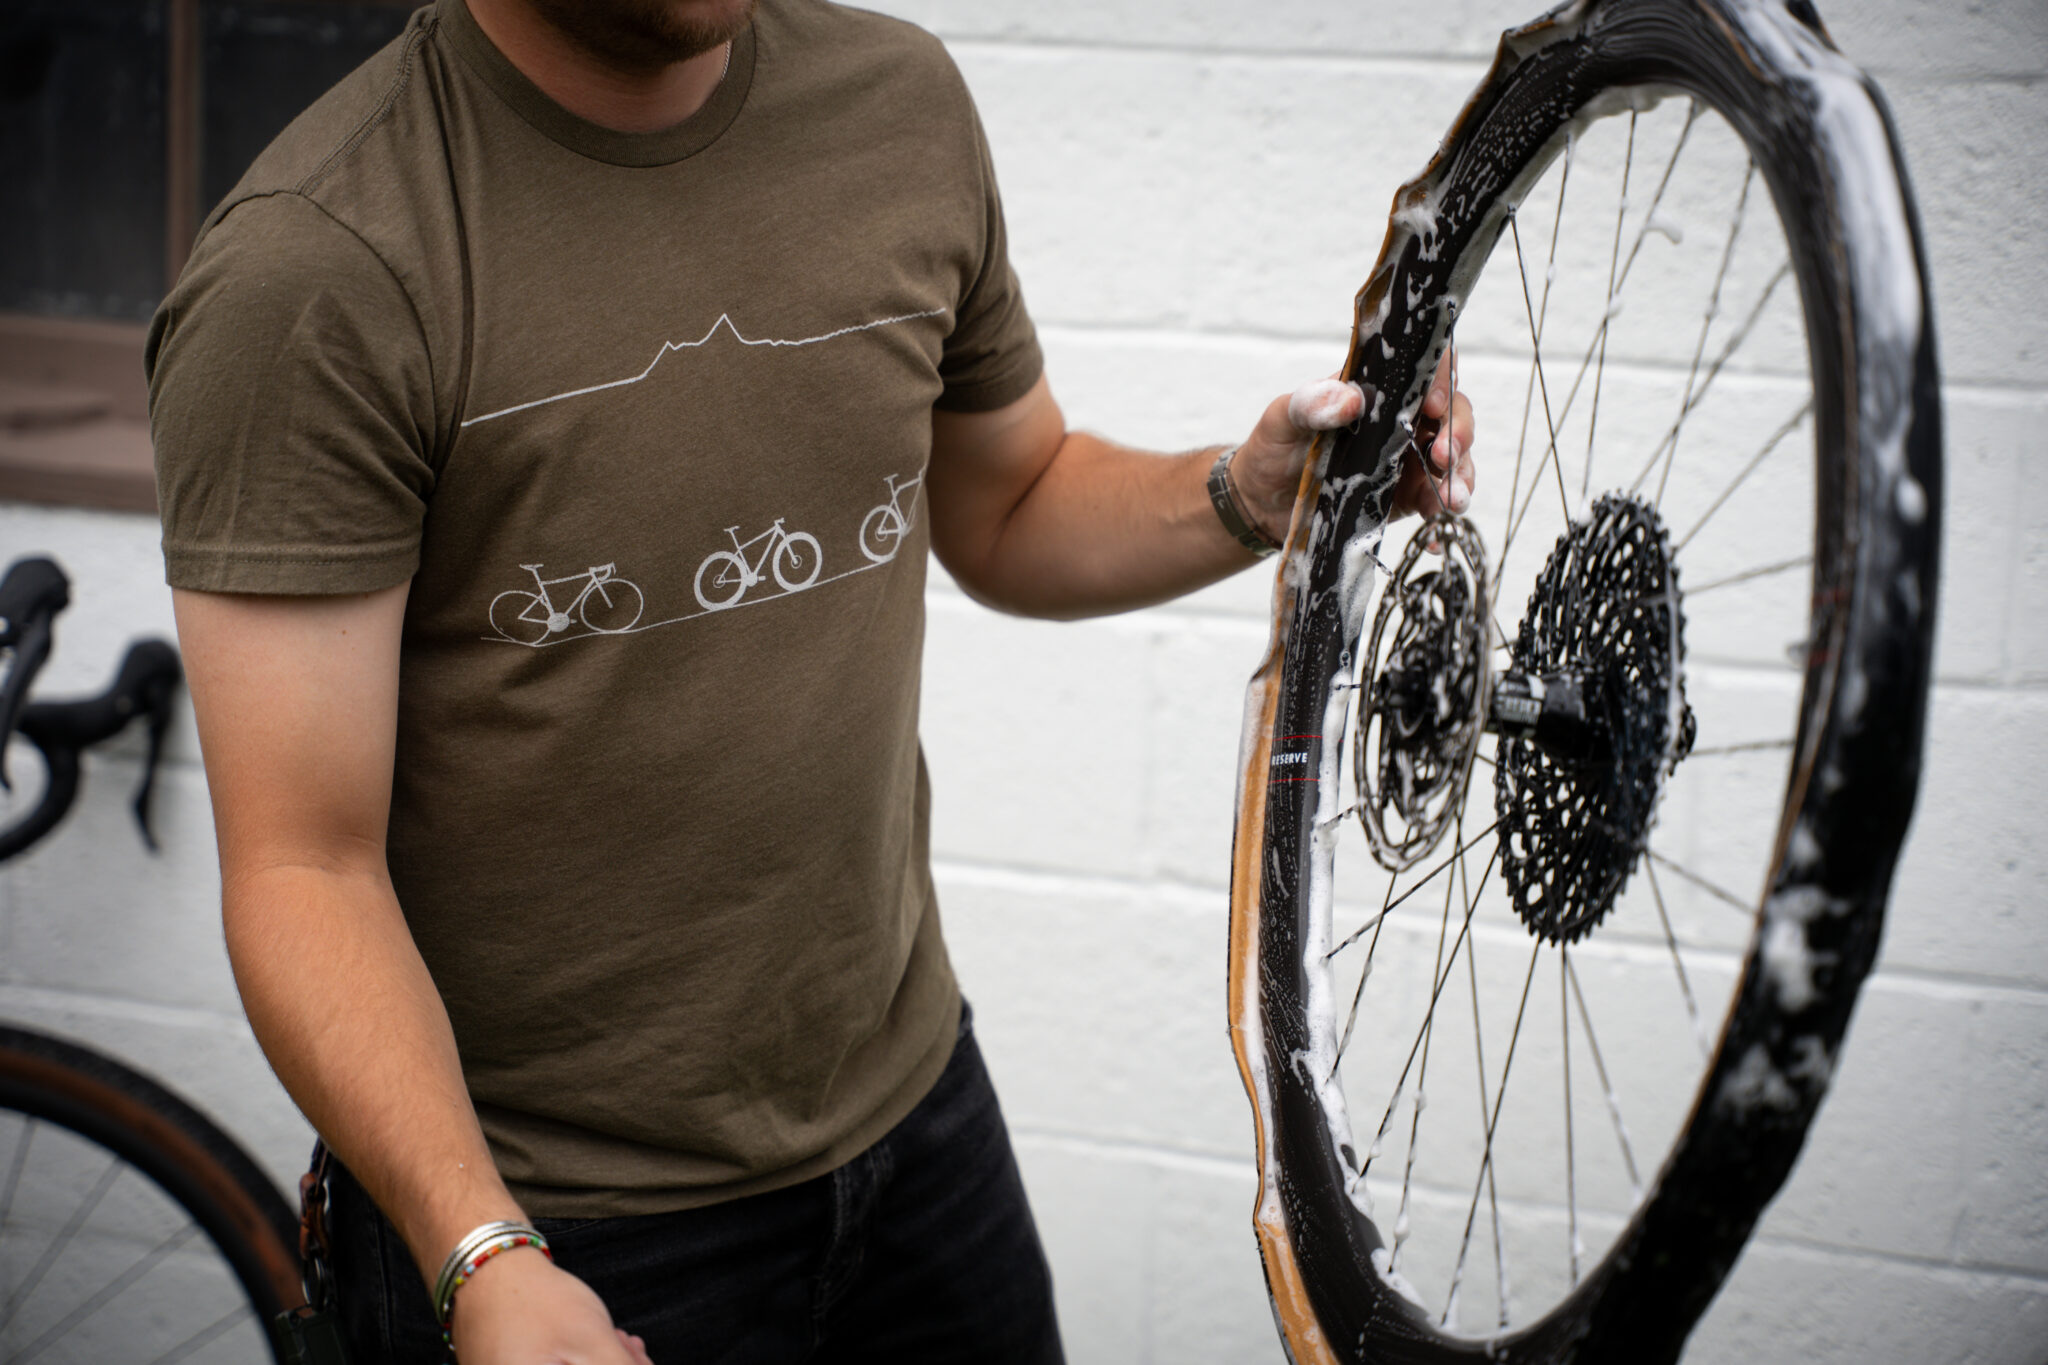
x,y
1396,903
61,1241
1500,1264
1436,990
1692,1006
1613,267
1754,746
1719,893
1777,437
108,1293
1364,975
1571,1161
1486,1156
14,1169
1421,1101
1692,116
1747,575
1707,323
206,1336
1628,1155
1694,399
1542,317
1542,388
1606,320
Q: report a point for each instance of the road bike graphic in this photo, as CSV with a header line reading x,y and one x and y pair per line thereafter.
x,y
725,575
883,529
606,604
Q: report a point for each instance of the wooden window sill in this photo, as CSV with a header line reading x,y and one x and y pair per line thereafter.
x,y
74,414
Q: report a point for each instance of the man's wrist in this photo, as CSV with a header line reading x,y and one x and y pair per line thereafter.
x,y
1231,510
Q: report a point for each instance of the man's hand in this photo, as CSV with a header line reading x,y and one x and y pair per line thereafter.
x,y
1034,518
520,1309
1266,471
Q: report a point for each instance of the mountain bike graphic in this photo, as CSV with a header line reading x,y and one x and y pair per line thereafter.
x,y
606,604
725,575
883,529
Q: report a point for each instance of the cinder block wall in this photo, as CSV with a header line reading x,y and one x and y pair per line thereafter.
x,y
1195,189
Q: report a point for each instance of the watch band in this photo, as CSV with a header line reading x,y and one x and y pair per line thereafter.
x,y
1223,497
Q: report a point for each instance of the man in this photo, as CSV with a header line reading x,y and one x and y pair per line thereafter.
x,y
520,419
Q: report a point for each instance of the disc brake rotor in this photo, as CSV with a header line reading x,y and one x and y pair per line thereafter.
x,y
1604,642
1423,704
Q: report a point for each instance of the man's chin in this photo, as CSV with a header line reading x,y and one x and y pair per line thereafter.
x,y
643,35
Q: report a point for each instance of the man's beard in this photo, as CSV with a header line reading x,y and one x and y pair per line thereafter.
x,y
645,35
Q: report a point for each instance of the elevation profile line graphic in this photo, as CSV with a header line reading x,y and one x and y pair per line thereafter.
x,y
724,321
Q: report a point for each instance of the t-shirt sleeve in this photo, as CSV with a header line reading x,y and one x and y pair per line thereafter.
x,y
292,410
992,357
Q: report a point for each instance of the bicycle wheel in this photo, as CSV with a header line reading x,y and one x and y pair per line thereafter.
x,y
612,605
520,616
721,578
131,1228
1575,1087
797,561
881,534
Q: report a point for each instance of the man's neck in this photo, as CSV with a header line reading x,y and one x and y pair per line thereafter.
x,y
636,101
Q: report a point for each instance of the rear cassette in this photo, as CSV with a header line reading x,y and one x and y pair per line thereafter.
x,y
1606,621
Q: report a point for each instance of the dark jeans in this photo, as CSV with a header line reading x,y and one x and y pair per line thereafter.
x,y
920,1249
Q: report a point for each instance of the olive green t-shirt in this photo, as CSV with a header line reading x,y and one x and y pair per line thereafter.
x,y
644,419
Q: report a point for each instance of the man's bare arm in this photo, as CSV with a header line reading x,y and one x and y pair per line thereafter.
x,y
297,703
1036,519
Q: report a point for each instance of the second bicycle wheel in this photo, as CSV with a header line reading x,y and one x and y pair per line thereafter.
x,y
1540,970
131,1228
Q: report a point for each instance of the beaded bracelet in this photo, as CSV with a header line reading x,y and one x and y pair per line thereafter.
x,y
470,1253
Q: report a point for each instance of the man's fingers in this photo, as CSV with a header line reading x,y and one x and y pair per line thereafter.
x,y
1325,405
635,1347
1437,400
1453,438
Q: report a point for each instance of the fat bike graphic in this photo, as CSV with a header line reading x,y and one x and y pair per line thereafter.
x,y
605,604
725,575
883,529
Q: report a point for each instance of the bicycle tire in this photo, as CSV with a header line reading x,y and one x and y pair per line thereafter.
x,y
881,534
612,618
735,578
788,564
508,616
131,1122
1819,136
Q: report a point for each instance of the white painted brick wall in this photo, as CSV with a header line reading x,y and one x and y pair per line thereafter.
x,y
1195,189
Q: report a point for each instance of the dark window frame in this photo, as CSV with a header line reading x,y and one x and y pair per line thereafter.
x,y
73,404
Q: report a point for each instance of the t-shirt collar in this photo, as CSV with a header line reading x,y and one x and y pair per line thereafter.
x,y
580,135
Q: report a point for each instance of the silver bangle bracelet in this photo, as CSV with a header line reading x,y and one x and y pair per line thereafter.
x,y
476,1240
1223,497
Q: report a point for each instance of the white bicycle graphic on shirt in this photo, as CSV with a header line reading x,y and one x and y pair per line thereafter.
x,y
606,605
794,557
883,529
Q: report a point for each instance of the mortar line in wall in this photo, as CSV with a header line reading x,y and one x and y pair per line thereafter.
x,y
1193,896
1053,881
1224,338
1434,59
1906,1258
1155,1155
1216,622
1175,1158
16,996
971,44
1242,626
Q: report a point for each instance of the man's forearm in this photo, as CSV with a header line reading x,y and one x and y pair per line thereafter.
x,y
1105,528
348,1016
